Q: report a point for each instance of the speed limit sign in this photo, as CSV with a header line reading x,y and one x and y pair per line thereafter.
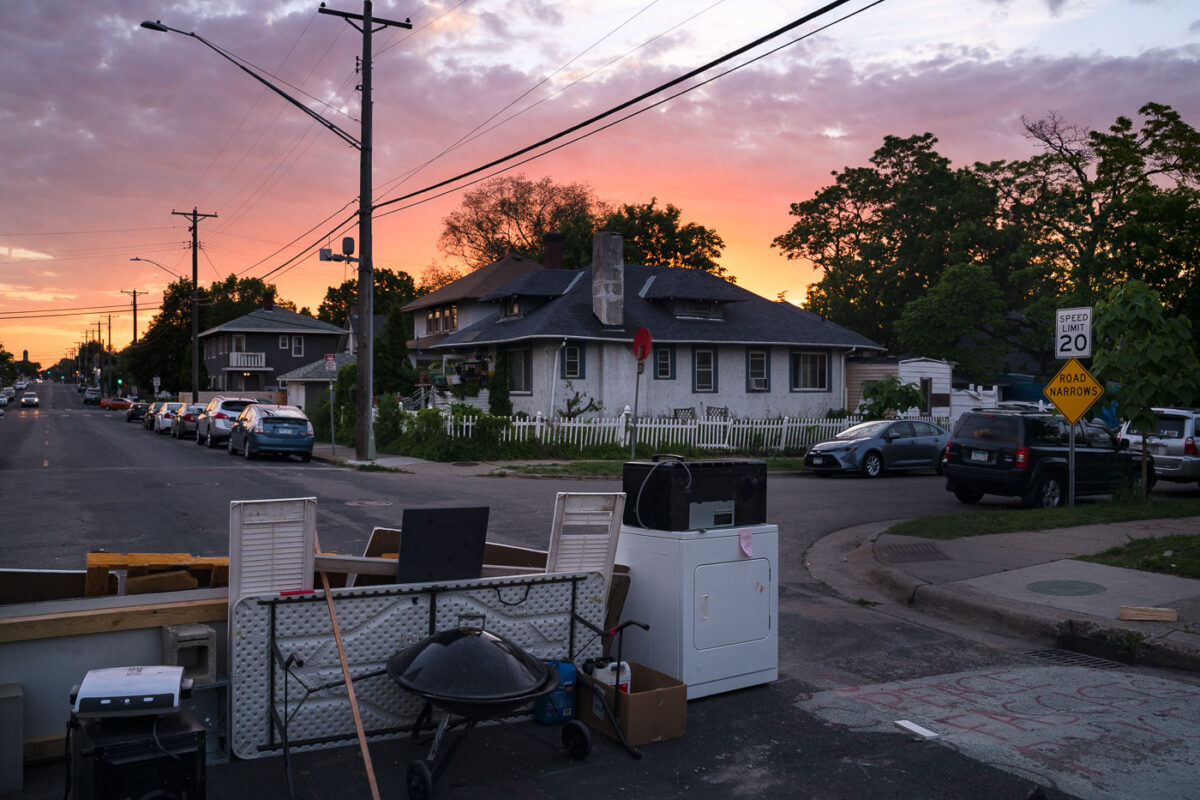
x,y
1073,333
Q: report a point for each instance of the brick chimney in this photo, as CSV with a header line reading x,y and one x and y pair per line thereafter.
x,y
552,250
608,278
269,301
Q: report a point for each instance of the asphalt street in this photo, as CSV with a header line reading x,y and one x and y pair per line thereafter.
x,y
77,478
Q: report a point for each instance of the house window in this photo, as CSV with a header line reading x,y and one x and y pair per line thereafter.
x,y
431,321
664,363
926,396
283,341
451,313
520,370
703,309
239,343
298,346
512,306
758,371
704,370
810,372
572,365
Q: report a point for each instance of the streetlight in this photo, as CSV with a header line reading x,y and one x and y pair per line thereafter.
x,y
160,266
195,316
366,24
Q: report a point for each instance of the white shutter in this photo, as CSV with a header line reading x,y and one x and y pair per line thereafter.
x,y
271,546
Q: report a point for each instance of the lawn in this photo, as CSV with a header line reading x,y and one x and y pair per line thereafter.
x,y
1172,555
1010,520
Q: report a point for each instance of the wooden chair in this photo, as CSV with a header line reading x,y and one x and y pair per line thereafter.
x,y
584,533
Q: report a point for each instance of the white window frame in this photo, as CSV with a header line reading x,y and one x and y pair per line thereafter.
x,y
758,378
799,370
297,347
698,369
284,344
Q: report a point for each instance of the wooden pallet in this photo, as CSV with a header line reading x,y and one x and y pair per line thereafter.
x,y
154,572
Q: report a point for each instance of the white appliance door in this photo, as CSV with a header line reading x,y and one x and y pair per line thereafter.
x,y
732,603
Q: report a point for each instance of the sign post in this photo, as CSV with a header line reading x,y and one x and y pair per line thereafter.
x,y
1073,391
331,368
641,349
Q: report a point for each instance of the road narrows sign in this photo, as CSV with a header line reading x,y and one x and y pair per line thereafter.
x,y
1073,390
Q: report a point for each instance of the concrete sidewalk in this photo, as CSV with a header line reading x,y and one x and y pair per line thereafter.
x,y
1029,585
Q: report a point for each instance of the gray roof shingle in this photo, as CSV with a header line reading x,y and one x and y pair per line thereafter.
x,y
275,320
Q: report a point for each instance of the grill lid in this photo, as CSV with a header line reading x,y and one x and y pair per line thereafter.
x,y
469,664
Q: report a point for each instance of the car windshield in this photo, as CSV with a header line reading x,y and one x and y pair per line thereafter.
x,y
864,430
1168,428
235,405
293,413
989,428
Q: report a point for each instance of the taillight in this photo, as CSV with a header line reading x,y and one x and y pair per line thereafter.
x,y
1189,447
1022,458
220,415
308,429
946,454
258,426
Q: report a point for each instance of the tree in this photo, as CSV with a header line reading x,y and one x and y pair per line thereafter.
x,y
882,235
888,396
1145,357
499,401
393,290
8,370
235,297
511,214
654,236
393,372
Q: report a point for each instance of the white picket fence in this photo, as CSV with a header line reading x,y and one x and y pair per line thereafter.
x,y
738,435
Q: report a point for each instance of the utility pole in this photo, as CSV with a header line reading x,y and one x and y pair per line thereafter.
x,y
364,430
108,357
196,217
134,293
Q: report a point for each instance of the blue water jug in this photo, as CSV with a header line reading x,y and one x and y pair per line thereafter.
x,y
558,706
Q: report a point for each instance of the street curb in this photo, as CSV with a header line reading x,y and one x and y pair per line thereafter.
x,y
1136,643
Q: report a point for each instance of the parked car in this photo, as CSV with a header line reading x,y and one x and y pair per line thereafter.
x,y
218,417
151,414
875,447
164,416
20,386
29,400
3,399
116,403
263,428
1025,454
1172,444
91,395
136,412
184,423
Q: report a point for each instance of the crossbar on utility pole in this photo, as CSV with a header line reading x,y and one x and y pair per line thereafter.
x,y
364,429
194,228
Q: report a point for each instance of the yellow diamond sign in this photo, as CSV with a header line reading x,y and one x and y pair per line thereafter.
x,y
1073,390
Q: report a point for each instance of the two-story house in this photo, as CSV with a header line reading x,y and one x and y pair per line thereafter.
x,y
248,354
715,345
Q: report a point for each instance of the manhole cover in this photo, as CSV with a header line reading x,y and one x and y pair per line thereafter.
x,y
1065,588
367,503
910,553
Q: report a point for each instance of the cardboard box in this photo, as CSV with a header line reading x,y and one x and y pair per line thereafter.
x,y
654,711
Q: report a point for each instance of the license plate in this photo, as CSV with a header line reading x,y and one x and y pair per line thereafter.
x,y
818,460
285,430
979,455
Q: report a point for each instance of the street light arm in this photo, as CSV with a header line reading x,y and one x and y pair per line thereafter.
x,y
341,134
160,266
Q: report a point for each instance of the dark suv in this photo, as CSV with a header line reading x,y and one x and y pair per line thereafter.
x,y
1025,454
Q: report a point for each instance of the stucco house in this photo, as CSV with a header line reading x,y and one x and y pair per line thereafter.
x,y
248,354
717,348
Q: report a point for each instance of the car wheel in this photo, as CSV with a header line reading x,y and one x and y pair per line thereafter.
x,y
229,445
872,465
968,495
246,452
1048,494
209,442
199,441
306,457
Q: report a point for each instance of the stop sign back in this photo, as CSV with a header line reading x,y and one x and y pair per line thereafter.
x,y
641,344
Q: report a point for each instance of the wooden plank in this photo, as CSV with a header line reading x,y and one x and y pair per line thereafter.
x,y
44,748
96,582
126,560
1148,613
77,623
172,581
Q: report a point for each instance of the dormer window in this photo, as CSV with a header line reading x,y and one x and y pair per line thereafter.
x,y
698,309
512,307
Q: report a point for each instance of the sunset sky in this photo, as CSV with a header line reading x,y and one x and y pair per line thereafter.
x,y
106,128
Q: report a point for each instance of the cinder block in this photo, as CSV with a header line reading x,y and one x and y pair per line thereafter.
x,y
192,646
12,731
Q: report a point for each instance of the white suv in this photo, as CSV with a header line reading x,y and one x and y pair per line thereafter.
x,y
213,424
1173,444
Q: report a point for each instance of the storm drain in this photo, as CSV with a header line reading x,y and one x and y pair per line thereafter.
x,y
910,553
1068,658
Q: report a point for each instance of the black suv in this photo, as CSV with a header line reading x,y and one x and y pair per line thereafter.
x,y
1025,454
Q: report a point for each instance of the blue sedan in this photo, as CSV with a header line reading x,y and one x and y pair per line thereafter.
x,y
873,448
263,428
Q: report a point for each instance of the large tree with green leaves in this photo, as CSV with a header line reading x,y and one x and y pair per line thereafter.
x,y
511,214
655,236
1146,357
8,369
393,290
